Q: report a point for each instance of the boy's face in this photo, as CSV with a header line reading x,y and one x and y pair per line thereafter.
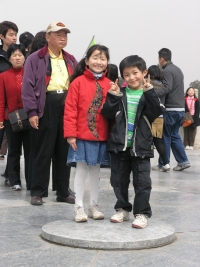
x,y
134,77
10,38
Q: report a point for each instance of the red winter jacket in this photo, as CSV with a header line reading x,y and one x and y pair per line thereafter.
x,y
10,91
81,119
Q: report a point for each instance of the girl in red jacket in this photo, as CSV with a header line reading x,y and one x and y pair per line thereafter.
x,y
86,129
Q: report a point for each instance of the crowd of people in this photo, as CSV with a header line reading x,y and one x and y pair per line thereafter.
x,y
81,114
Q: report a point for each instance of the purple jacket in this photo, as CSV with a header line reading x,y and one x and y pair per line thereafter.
x,y
37,74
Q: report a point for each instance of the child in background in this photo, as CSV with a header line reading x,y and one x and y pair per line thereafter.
x,y
192,106
133,109
86,129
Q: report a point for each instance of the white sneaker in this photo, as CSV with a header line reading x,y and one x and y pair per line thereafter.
x,y
16,187
140,221
79,214
120,216
95,213
187,147
165,168
191,147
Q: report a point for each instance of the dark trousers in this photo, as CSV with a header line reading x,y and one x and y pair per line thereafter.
x,y
4,145
15,141
121,166
1,135
47,141
189,135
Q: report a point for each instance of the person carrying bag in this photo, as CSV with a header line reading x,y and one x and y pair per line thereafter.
x,y
16,124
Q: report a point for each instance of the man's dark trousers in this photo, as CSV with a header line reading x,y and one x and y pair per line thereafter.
x,y
45,142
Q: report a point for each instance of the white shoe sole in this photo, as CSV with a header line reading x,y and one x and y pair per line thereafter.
x,y
81,220
118,221
100,217
138,226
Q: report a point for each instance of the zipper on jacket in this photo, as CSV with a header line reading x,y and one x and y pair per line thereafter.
x,y
125,143
147,121
133,144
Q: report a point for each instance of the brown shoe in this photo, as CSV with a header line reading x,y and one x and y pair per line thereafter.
x,y
70,199
36,201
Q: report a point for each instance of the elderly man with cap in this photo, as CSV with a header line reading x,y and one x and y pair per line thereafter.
x,y
44,88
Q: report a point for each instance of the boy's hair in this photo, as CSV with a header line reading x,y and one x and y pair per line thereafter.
x,y
165,53
132,61
112,73
155,72
5,26
80,68
13,47
26,38
186,93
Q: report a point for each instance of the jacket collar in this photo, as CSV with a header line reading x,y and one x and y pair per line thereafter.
x,y
44,51
168,63
90,75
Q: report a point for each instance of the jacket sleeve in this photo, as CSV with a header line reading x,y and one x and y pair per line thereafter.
x,y
167,83
28,83
111,105
71,111
2,100
154,107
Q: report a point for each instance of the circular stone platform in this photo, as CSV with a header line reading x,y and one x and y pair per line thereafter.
x,y
106,235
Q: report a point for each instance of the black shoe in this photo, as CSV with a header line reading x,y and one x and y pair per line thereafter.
x,y
2,157
3,174
37,201
72,193
70,199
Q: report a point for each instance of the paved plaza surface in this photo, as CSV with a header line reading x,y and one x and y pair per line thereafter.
x,y
175,200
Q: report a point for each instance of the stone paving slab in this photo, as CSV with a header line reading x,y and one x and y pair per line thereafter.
x,y
108,236
175,200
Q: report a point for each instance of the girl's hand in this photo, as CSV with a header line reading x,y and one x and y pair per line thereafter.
x,y
147,82
72,142
114,87
1,125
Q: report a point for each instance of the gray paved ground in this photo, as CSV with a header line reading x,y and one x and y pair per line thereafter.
x,y
175,200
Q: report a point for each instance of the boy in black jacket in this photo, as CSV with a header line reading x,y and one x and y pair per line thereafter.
x,y
132,109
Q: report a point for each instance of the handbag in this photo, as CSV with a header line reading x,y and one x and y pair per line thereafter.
x,y
19,120
188,120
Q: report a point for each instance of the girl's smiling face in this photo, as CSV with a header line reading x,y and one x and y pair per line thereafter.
x,y
97,62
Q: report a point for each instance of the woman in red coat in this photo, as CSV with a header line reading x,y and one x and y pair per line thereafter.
x,y
10,100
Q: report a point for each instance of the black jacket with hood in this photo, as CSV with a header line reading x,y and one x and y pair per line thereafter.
x,y
4,62
115,109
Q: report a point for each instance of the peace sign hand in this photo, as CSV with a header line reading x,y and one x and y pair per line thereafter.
x,y
114,87
147,82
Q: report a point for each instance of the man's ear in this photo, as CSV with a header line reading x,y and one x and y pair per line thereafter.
x,y
1,36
